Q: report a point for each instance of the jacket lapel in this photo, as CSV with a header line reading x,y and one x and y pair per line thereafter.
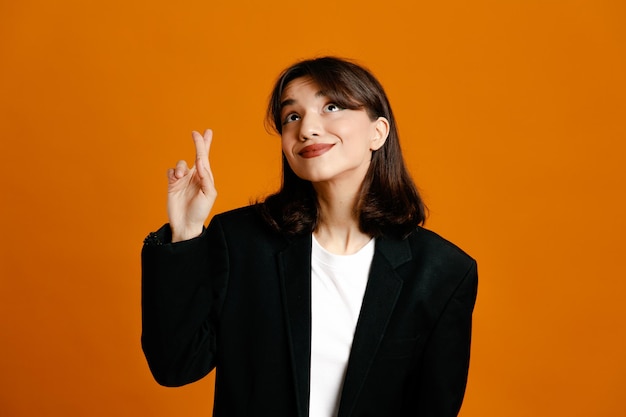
x,y
381,294
295,273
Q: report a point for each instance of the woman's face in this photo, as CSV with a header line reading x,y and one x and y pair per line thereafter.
x,y
323,142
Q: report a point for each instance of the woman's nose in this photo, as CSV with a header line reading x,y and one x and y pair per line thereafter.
x,y
310,126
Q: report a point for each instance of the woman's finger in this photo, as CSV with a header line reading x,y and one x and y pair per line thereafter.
x,y
208,139
181,169
170,175
203,145
201,148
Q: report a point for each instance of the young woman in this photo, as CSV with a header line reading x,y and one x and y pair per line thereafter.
x,y
326,299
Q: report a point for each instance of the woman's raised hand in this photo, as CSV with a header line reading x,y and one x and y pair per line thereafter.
x,y
191,191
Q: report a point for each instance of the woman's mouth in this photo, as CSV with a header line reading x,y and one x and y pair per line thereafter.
x,y
317,149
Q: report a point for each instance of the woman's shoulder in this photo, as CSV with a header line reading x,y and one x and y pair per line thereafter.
x,y
244,221
241,217
433,246
238,214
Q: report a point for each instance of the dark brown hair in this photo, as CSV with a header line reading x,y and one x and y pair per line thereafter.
x,y
388,202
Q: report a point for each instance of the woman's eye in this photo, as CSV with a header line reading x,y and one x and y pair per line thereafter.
x,y
291,117
332,107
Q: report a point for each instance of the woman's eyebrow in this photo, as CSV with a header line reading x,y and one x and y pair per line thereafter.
x,y
287,102
290,101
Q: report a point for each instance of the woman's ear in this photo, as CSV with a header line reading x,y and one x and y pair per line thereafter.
x,y
381,131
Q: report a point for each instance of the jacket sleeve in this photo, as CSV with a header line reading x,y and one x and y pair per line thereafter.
x,y
183,287
445,364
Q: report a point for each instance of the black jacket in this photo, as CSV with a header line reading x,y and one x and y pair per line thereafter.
x,y
237,298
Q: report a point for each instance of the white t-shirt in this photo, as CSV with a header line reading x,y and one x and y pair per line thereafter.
x,y
337,287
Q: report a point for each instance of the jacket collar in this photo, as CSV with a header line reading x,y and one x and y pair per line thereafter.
x,y
381,294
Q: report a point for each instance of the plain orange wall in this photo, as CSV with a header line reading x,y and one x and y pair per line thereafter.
x,y
511,113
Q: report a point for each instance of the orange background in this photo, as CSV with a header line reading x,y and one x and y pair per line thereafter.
x,y
511,114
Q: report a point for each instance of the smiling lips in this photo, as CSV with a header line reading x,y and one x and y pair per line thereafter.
x,y
317,149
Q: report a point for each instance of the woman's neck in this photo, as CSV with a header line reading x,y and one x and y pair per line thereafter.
x,y
338,228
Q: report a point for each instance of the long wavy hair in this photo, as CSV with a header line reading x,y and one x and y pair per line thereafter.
x,y
388,202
